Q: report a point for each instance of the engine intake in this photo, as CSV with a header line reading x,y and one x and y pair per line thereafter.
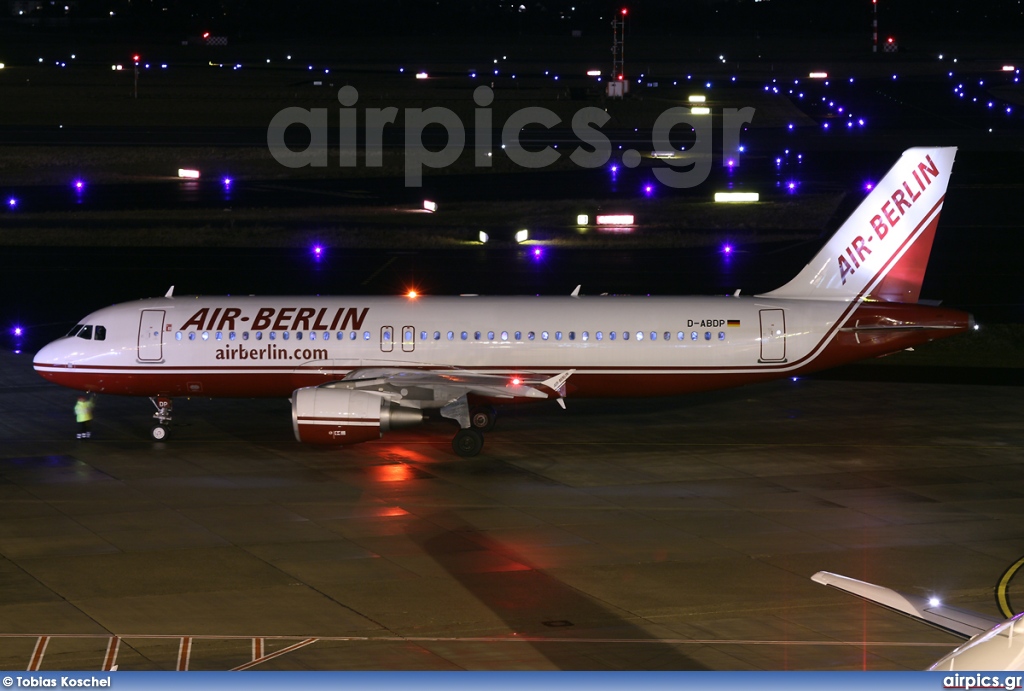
x,y
340,417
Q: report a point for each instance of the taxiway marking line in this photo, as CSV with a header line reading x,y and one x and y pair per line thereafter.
x,y
37,654
1002,599
110,658
271,656
184,653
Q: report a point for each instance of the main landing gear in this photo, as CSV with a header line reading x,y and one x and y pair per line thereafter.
x,y
469,440
164,407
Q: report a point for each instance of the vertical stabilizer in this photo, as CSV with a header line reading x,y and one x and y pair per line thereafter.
x,y
881,251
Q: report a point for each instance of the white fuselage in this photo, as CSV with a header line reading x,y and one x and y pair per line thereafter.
x,y
618,346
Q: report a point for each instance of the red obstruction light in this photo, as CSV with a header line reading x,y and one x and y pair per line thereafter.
x,y
624,11
890,40
136,58
206,35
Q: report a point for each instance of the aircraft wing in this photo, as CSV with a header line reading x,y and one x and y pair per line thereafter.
x,y
455,382
958,622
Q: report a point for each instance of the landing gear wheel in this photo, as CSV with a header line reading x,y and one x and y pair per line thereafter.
x,y
159,432
467,442
482,418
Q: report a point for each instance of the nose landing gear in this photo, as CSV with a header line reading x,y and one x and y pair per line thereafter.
x,y
164,407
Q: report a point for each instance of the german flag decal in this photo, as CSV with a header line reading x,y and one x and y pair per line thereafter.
x,y
734,322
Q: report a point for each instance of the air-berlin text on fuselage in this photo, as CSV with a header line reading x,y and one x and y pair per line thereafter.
x,y
894,208
277,319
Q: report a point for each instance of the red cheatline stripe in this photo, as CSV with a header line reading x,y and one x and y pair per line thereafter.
x,y
271,656
37,654
110,659
184,653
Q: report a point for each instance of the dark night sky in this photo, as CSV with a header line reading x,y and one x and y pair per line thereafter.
x,y
325,18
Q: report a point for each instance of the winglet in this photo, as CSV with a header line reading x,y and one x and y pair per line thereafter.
x,y
557,384
576,293
169,293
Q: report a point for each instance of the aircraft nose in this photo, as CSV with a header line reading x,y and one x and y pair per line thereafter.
x,y
47,355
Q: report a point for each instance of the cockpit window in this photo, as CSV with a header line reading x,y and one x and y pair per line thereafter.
x,y
86,331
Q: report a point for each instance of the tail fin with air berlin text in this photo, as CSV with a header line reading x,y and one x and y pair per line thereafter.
x,y
881,251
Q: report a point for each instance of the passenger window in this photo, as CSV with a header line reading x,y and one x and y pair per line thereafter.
x,y
206,336
387,336
490,335
298,336
437,335
668,336
312,335
519,335
611,335
530,336
721,335
464,335
639,335
191,335
219,336
544,335
327,335
423,335
366,335
654,335
572,335
599,336
353,336
586,336
259,335
476,335
693,336
558,335
680,336
245,335
231,335
451,335
625,335
707,335
177,336
272,335
504,335
286,335
101,333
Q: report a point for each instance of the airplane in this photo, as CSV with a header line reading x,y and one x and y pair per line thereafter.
x,y
358,367
991,644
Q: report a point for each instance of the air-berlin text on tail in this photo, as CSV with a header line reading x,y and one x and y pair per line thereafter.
x,y
277,319
906,194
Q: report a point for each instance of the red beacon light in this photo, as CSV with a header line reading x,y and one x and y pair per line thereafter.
x,y
206,35
515,381
136,58
624,11
412,295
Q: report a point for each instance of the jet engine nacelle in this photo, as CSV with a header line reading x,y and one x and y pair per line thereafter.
x,y
340,417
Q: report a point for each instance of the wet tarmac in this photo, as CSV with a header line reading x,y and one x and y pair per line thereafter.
x,y
655,534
